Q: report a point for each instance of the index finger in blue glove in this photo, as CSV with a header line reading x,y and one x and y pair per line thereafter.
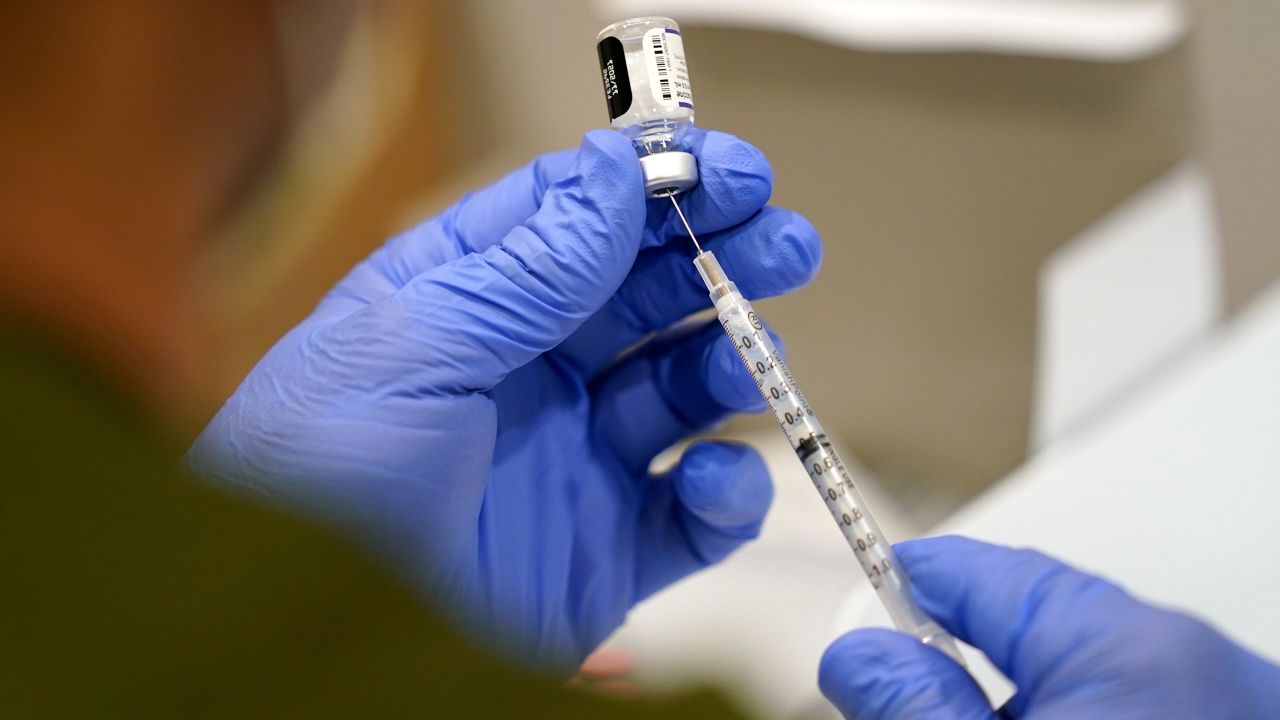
x,y
877,674
474,223
464,325
477,221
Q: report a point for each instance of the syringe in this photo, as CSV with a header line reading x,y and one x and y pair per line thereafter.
x,y
819,458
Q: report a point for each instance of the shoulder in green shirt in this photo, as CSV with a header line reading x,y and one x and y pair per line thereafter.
x,y
130,590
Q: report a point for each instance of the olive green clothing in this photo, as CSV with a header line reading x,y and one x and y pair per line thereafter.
x,y
128,589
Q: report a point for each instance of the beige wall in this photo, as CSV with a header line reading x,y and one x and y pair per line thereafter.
x,y
1236,69
940,183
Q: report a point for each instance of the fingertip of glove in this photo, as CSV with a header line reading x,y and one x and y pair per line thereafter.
x,y
806,241
839,672
706,459
728,381
596,210
863,643
734,172
921,551
725,483
607,180
875,672
792,252
609,154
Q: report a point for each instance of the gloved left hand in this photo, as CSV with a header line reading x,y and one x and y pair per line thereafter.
x,y
462,399
1076,645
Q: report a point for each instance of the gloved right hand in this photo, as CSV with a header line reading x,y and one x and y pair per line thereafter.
x,y
1075,645
479,400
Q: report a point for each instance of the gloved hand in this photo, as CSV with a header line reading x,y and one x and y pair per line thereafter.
x,y
462,400
1075,645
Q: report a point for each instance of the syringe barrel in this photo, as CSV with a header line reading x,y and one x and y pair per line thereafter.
x,y
816,453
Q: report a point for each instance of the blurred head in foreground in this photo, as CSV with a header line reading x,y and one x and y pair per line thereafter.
x,y
128,130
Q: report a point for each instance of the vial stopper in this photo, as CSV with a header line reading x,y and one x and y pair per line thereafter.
x,y
668,173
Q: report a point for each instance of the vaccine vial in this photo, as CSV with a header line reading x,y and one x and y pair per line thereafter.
x,y
650,100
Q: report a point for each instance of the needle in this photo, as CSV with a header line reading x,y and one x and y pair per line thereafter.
x,y
684,220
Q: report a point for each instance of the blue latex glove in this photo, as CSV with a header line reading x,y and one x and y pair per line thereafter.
x,y
1075,645
462,402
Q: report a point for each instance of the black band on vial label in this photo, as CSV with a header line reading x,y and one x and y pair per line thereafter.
x,y
613,70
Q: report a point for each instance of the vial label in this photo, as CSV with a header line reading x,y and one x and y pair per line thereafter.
x,y
613,70
668,71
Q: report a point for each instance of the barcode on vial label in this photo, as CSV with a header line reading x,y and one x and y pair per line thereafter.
x,y
668,72
660,64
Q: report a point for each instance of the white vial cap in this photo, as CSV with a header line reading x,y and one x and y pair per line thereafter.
x,y
669,173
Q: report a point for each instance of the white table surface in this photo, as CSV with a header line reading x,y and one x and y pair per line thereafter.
x,y
1175,495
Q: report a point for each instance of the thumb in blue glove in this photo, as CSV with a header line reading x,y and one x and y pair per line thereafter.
x,y
480,399
1076,646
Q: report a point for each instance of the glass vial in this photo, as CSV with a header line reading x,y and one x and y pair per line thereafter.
x,y
650,99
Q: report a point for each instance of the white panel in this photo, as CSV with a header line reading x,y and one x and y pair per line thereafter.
x,y
1124,298
1174,497
1109,30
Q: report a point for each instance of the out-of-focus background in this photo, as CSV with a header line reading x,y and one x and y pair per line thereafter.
x,y
1035,213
